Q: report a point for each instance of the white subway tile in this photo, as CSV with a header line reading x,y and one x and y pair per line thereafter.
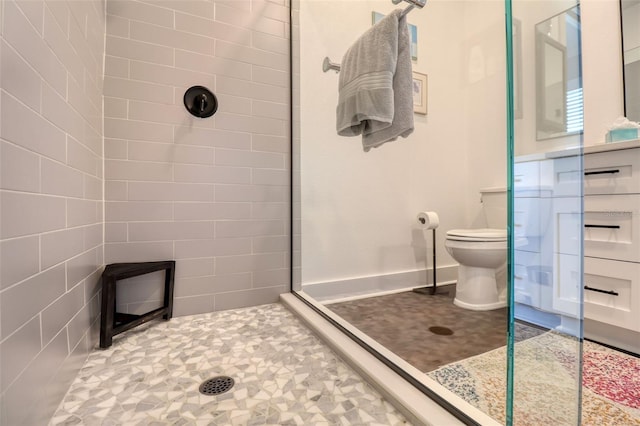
x,y
169,114
202,8
25,214
18,78
268,193
270,177
186,268
192,305
56,247
193,192
249,228
251,55
186,249
58,179
115,232
92,236
210,174
81,212
115,149
116,67
270,244
20,259
117,26
269,76
268,9
210,137
270,143
115,107
209,211
244,298
271,278
130,89
213,29
92,187
118,211
21,302
141,12
159,231
137,130
81,158
138,170
270,110
132,49
151,191
231,66
33,10
59,112
60,45
19,168
77,98
270,43
115,190
249,263
171,38
267,126
232,282
80,267
138,252
29,44
170,76
82,49
270,211
233,104
241,6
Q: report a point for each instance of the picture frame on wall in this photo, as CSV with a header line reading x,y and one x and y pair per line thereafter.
x,y
413,33
419,93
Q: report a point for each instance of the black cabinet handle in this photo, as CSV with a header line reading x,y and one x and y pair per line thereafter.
x,y
597,290
602,172
602,226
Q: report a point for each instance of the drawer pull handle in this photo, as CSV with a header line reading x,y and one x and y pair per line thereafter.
x,y
602,226
602,172
611,292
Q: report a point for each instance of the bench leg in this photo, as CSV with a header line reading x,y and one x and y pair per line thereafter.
x,y
108,312
169,279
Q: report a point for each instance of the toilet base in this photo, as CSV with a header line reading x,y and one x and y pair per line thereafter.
x,y
475,307
477,289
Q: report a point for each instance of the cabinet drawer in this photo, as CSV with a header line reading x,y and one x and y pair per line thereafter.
x,y
612,292
612,172
612,227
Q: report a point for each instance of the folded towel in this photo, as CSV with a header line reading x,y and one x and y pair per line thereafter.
x,y
375,87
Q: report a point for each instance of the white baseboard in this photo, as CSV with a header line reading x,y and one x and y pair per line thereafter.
x,y
378,285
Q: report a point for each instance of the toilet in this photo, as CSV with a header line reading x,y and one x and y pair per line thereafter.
x,y
481,253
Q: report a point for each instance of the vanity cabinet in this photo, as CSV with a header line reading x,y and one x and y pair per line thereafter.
x,y
612,245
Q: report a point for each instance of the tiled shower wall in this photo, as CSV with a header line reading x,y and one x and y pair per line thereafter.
x,y
211,193
51,224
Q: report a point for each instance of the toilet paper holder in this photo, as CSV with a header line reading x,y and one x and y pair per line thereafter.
x,y
431,220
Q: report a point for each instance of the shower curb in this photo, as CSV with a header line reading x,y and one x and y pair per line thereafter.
x,y
418,408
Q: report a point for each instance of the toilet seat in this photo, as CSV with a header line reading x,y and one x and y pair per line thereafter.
x,y
483,234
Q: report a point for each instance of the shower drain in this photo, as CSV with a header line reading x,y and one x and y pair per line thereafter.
x,y
442,331
216,385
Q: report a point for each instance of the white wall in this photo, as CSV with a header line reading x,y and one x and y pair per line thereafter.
x,y
211,193
51,250
358,209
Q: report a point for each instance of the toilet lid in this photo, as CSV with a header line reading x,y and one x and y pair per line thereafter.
x,y
485,234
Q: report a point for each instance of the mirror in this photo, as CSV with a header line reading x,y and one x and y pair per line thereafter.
x,y
630,16
558,82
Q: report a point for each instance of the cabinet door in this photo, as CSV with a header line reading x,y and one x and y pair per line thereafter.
x,y
612,172
612,292
566,234
612,227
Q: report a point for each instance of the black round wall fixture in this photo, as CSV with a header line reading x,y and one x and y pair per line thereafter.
x,y
200,102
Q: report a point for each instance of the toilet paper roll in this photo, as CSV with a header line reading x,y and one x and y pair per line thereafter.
x,y
428,220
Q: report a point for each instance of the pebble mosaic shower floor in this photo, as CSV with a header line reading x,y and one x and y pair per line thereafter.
x,y
284,375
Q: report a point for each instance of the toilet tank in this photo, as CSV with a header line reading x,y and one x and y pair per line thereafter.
x,y
494,206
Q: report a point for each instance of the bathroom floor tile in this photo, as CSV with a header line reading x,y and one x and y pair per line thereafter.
x,y
284,375
401,323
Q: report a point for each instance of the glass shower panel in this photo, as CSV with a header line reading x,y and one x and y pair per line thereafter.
x,y
546,220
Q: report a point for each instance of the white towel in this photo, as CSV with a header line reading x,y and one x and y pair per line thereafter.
x,y
375,87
